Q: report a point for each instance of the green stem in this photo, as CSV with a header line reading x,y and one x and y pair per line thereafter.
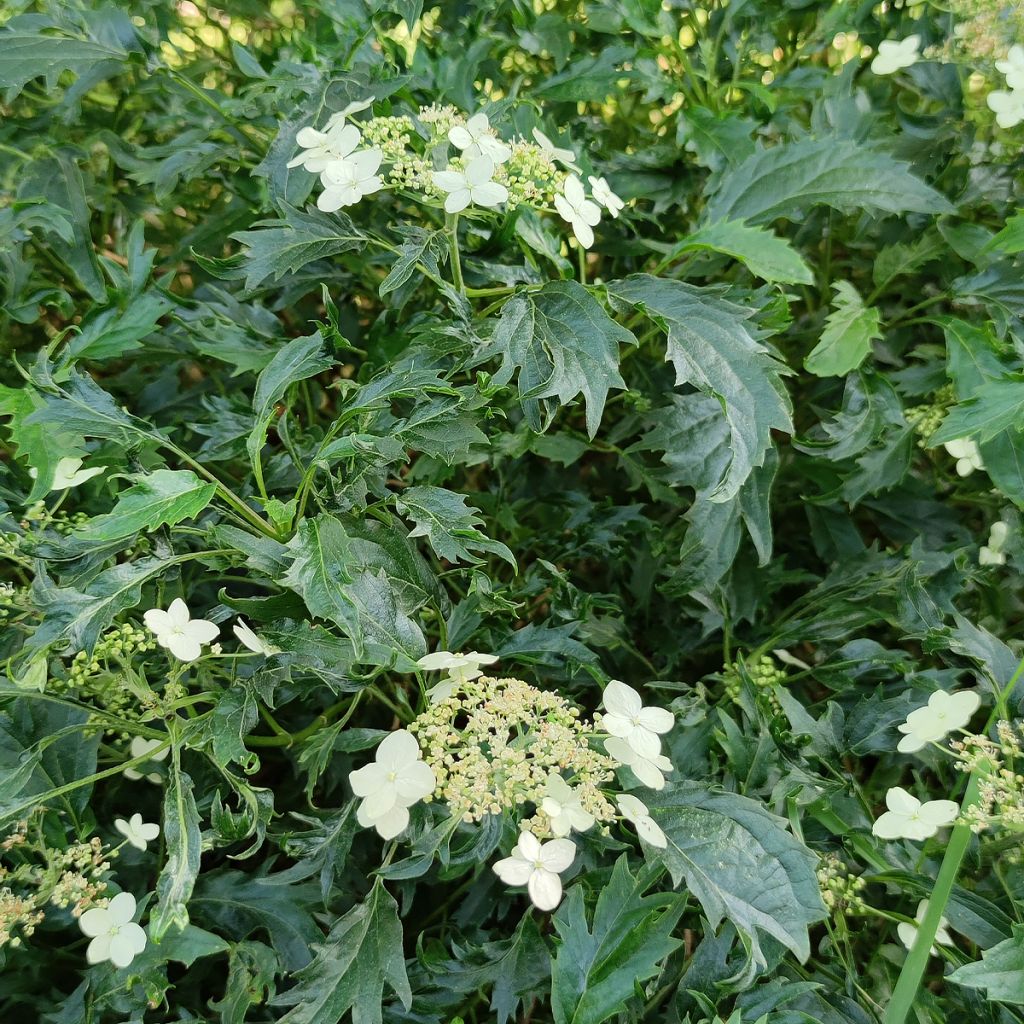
x,y
452,227
909,981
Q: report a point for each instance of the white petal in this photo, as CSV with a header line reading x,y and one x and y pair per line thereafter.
x,y
583,232
657,719
631,808
391,824
202,631
368,779
183,647
621,699
438,660
450,181
99,949
513,870
489,194
899,801
330,200
457,201
122,908
309,137
545,888
124,945
178,612
529,846
558,854
158,621
480,170
890,826
939,812
481,659
149,831
398,749
645,743
415,781
380,802
97,921
459,137
650,831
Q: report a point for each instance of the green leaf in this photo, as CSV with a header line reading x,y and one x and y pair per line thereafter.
x,y
1011,239
846,175
996,406
1000,971
163,497
846,341
420,247
319,573
765,254
28,55
515,968
714,347
182,840
299,359
737,858
562,343
362,953
444,518
280,247
597,968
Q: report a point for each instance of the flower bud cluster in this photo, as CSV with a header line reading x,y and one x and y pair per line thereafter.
x,y
840,891
494,744
765,675
1001,788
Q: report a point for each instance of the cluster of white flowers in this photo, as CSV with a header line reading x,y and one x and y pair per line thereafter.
x,y
482,169
176,631
489,746
896,54
1008,104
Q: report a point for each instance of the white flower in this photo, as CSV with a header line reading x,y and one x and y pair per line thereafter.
x,y
563,807
908,932
967,456
1007,106
574,207
347,181
140,746
136,831
566,157
461,669
252,641
473,185
323,148
477,139
649,770
992,553
69,473
397,778
115,937
1013,67
354,107
537,865
647,828
908,818
181,635
896,54
627,718
943,713
604,195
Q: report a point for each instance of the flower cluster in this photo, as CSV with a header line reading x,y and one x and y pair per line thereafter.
x,y
1008,104
992,553
840,890
489,746
1001,790
765,676
928,417
480,168
968,457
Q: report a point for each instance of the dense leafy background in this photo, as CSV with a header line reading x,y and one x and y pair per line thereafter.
x,y
702,455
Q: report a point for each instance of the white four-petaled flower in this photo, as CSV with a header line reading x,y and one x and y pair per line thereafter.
x,y
580,212
943,713
908,932
967,456
175,630
1007,106
603,194
396,779
908,818
477,139
562,805
322,148
139,747
627,718
115,937
649,770
537,865
993,553
347,181
253,641
461,668
473,185
566,157
136,831
894,54
635,811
